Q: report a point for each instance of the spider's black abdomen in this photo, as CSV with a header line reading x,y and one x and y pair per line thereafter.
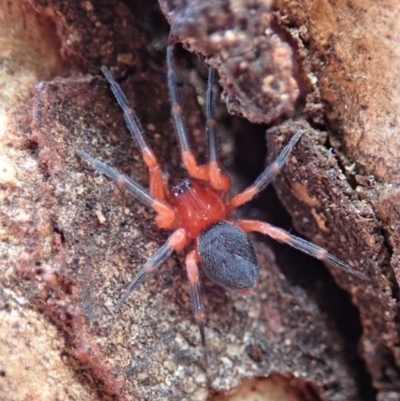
x,y
227,256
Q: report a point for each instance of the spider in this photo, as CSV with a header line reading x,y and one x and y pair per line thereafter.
x,y
197,210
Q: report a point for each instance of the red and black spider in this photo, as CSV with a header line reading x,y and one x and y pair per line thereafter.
x,y
197,209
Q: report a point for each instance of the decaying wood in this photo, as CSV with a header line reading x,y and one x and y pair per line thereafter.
x,y
70,240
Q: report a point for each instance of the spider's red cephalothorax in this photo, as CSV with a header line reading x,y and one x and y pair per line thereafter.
x,y
197,209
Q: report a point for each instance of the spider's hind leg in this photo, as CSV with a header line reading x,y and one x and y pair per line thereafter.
x,y
299,243
198,311
175,242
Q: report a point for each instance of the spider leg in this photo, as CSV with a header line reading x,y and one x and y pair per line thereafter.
x,y
157,185
175,242
265,177
298,243
165,214
218,180
193,275
188,159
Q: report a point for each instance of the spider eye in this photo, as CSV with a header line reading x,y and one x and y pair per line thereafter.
x,y
227,256
183,186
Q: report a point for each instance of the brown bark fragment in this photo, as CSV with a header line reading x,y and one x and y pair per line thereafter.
x,y
242,44
352,50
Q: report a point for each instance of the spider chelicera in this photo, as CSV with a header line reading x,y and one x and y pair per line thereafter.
x,y
197,209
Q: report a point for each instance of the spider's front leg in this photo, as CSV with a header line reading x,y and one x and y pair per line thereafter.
x,y
265,177
208,172
158,185
188,159
165,214
218,180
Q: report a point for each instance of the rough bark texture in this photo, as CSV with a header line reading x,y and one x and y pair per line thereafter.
x,y
70,241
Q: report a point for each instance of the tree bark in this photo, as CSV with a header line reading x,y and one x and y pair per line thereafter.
x,y
71,241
